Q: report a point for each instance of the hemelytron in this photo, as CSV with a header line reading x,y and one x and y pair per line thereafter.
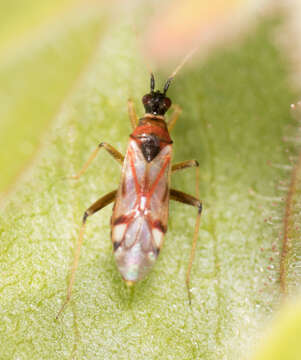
x,y
140,211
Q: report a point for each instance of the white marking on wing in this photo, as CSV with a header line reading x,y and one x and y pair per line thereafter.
x,y
118,232
143,202
158,236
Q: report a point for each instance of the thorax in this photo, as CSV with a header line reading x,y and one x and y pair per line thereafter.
x,y
151,135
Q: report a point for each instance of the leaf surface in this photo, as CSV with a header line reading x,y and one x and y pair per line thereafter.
x,y
235,114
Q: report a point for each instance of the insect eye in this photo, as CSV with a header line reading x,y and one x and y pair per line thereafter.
x,y
146,98
167,102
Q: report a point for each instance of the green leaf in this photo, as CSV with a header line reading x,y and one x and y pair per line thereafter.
x,y
36,77
235,114
282,340
19,21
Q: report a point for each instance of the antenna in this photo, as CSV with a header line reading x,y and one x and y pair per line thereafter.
x,y
178,68
174,73
152,82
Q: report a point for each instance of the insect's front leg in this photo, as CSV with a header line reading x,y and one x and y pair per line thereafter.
x,y
174,117
98,205
103,145
132,114
193,201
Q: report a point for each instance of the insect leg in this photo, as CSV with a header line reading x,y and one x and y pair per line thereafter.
x,y
98,205
189,164
174,117
132,114
109,148
193,201
184,165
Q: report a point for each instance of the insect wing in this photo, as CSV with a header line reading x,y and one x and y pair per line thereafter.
x,y
140,213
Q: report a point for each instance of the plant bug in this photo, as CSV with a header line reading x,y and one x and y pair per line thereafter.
x,y
140,211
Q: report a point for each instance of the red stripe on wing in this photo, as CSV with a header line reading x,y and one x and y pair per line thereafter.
x,y
155,183
137,185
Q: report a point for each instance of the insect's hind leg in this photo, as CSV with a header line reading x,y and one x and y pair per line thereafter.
x,y
193,201
98,205
174,117
109,148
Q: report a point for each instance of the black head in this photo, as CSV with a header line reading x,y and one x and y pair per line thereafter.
x,y
156,102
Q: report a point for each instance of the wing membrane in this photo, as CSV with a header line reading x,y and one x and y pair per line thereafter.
x,y
140,213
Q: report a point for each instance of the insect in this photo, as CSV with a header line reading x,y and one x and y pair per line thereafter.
x,y
140,211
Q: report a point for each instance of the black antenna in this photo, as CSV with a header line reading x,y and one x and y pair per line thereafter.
x,y
166,86
152,83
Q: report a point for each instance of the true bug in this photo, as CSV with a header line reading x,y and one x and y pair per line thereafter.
x,y
140,211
